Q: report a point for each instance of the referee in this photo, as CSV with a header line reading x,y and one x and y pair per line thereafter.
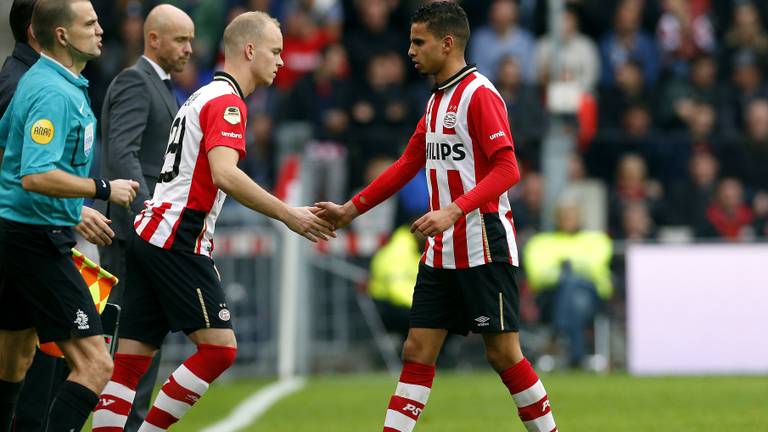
x,y
47,134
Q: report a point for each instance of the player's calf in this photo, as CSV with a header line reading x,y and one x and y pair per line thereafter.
x,y
117,397
530,397
187,384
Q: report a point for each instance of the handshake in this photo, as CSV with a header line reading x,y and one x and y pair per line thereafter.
x,y
320,221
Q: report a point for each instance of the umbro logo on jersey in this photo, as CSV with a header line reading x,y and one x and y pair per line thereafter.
x,y
444,151
482,321
231,135
498,134
106,402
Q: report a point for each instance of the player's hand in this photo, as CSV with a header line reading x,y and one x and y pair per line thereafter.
x,y
339,215
303,221
94,227
437,221
123,192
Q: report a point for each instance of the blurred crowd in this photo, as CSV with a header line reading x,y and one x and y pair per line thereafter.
x,y
672,122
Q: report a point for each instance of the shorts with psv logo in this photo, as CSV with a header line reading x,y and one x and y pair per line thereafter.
x,y
482,299
40,286
169,291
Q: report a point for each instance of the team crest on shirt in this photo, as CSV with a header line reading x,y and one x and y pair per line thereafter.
x,y
232,115
81,319
449,121
224,315
42,131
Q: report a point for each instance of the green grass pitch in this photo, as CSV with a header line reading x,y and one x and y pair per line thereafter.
x,y
479,402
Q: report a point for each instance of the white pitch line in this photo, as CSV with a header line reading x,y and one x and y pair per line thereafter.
x,y
257,404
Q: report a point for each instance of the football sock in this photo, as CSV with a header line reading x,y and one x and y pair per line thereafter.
x,y
9,394
410,396
116,399
530,397
186,385
71,407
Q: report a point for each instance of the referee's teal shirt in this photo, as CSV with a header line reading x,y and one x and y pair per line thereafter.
x,y
49,125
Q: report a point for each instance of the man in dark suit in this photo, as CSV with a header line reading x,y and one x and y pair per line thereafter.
x,y
25,52
136,118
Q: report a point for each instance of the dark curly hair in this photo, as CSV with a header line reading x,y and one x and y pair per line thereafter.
x,y
444,18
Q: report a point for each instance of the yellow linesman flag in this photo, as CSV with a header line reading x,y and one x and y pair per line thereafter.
x,y
100,283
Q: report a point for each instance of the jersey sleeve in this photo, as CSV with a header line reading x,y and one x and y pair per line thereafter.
x,y
222,121
398,174
45,133
487,122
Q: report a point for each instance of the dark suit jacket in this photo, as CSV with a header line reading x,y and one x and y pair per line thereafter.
x,y
135,122
19,62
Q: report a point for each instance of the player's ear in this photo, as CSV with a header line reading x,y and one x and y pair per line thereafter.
x,y
249,51
448,43
61,36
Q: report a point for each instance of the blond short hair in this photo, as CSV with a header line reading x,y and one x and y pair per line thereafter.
x,y
246,27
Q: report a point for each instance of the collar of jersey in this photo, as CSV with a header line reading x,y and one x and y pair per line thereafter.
x,y
466,70
223,76
53,64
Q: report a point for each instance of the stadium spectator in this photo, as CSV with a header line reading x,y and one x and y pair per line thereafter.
x,y
304,42
747,158
632,185
527,198
380,109
684,31
747,83
745,33
173,283
503,37
630,89
636,223
393,274
459,287
577,58
569,271
139,108
527,116
374,36
324,96
676,105
689,198
627,42
47,137
729,217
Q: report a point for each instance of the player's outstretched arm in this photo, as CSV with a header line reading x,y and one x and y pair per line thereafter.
x,y
338,215
232,180
60,184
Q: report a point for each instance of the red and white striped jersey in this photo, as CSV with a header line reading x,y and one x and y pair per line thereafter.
x,y
465,123
182,212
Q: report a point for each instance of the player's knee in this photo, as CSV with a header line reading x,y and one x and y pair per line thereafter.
x,y
499,359
218,358
417,352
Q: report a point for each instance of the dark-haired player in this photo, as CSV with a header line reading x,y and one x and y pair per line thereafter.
x,y
466,280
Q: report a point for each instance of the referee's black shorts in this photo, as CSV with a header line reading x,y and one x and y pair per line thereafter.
x,y
40,285
482,299
168,291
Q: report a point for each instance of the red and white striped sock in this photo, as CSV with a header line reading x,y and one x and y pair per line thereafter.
x,y
116,399
186,385
530,397
409,399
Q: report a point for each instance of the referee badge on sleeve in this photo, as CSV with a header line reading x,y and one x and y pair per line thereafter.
x,y
42,131
232,115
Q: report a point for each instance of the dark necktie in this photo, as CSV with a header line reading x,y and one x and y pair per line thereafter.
x,y
169,86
